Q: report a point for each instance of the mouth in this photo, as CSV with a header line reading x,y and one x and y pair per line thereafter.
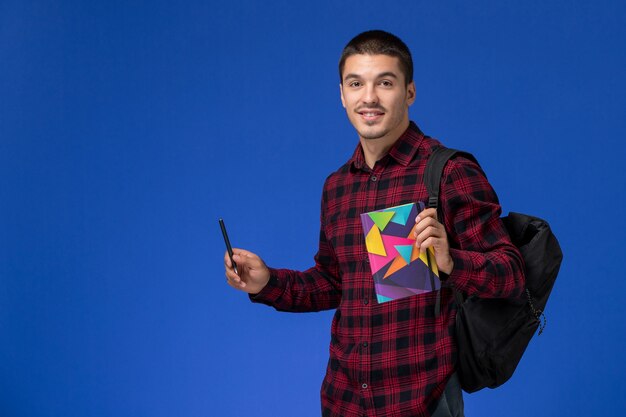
x,y
371,115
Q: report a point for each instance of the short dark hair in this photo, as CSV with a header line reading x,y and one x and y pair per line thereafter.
x,y
379,42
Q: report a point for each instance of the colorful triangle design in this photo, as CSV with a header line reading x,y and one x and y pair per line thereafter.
x,y
433,262
397,265
381,268
392,241
405,251
422,257
411,236
415,254
401,213
381,218
374,242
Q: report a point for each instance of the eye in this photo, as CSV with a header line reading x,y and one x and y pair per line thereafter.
x,y
386,83
354,84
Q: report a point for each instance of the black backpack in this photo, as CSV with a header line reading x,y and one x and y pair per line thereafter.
x,y
492,334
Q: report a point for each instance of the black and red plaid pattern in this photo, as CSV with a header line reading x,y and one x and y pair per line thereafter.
x,y
394,359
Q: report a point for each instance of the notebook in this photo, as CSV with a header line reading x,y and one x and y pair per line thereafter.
x,y
398,268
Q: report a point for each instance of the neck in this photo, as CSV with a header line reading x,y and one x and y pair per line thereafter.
x,y
375,149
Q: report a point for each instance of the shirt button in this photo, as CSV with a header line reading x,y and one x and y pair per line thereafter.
x,y
366,301
374,178
364,344
364,386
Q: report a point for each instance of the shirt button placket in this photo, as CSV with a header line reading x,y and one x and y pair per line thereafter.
x,y
372,197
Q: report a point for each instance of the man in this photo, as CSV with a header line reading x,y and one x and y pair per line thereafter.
x,y
395,358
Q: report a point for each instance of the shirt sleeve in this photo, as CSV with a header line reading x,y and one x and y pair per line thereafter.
x,y
317,288
486,263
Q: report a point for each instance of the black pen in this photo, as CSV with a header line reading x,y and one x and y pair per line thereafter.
x,y
228,247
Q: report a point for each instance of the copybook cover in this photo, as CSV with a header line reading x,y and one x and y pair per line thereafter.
x,y
398,268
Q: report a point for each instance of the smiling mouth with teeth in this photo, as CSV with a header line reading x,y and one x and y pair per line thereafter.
x,y
371,112
371,116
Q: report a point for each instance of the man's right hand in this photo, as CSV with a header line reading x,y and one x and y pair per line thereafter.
x,y
253,273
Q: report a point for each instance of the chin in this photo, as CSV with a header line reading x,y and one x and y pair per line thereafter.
x,y
372,134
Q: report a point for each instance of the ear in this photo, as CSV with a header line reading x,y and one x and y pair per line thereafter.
x,y
343,100
410,93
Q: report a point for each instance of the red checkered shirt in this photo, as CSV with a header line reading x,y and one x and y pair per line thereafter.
x,y
395,358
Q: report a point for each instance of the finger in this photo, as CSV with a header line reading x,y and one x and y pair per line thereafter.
x,y
429,212
243,252
237,286
429,242
228,265
433,245
232,276
423,225
247,259
430,231
236,252
420,240
227,262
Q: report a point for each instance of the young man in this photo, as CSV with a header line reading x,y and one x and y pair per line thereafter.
x,y
395,358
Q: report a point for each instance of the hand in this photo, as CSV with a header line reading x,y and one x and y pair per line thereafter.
x,y
253,273
429,233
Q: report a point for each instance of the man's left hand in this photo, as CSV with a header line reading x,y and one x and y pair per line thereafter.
x,y
429,233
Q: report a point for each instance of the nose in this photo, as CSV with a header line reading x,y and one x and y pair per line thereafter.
x,y
369,95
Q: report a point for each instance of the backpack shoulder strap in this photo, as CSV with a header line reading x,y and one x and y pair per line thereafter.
x,y
434,170
432,179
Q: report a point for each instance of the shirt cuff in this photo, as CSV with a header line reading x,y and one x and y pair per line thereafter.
x,y
272,291
459,275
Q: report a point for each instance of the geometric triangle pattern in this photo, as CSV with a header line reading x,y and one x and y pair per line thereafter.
x,y
392,242
401,213
405,251
381,219
397,264
374,242
398,268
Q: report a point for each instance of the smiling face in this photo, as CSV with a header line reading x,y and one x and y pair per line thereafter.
x,y
376,97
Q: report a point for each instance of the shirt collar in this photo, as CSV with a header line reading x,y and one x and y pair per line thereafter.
x,y
402,151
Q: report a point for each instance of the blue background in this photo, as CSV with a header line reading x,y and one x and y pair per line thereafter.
x,y
128,128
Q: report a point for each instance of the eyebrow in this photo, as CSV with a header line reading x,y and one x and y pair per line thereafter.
x,y
381,75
